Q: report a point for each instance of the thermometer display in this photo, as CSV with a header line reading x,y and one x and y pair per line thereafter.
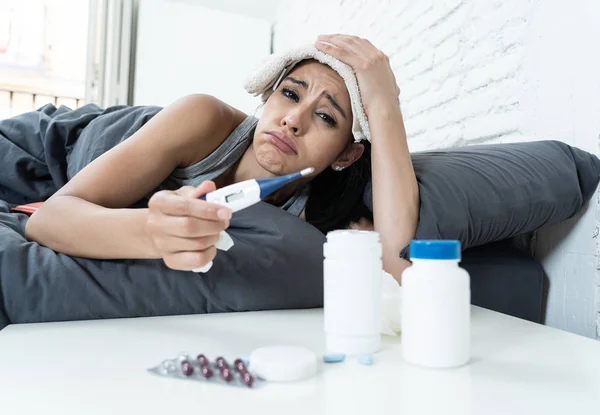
x,y
234,196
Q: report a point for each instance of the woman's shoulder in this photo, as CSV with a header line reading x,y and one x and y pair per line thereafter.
x,y
216,121
215,112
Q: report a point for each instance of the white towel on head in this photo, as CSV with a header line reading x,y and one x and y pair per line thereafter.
x,y
276,66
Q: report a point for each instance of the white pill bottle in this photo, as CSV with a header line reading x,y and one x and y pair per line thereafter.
x,y
352,275
436,312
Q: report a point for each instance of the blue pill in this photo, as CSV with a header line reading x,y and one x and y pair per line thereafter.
x,y
365,359
334,357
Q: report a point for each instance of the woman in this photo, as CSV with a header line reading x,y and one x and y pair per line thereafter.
x,y
299,128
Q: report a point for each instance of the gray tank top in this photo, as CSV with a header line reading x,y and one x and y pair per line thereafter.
x,y
222,158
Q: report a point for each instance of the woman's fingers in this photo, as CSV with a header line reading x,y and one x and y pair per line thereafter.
x,y
374,74
174,244
173,204
185,229
189,260
353,49
352,44
352,52
184,226
336,51
195,192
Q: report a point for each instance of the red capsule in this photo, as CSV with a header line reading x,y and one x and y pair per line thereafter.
x,y
221,362
248,379
186,368
206,372
241,368
202,360
204,364
226,373
224,368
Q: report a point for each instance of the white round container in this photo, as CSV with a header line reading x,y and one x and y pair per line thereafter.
x,y
352,273
436,297
283,363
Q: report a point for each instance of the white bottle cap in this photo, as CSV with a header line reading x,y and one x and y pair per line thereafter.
x,y
283,363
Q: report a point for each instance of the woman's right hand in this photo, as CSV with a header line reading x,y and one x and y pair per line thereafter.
x,y
184,229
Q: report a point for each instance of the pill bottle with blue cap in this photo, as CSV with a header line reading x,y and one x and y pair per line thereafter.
x,y
352,274
436,297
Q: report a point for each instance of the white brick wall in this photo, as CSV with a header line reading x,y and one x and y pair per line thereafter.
x,y
490,71
459,64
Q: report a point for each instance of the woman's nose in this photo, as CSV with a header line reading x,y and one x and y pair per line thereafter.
x,y
290,125
293,121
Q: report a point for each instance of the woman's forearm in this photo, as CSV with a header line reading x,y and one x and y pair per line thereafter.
x,y
73,226
395,189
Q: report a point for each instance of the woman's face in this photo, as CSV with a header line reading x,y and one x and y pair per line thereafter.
x,y
306,122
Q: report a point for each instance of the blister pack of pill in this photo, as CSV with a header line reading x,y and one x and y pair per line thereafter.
x,y
200,368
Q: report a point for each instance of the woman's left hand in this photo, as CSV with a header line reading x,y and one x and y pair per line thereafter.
x,y
395,188
375,77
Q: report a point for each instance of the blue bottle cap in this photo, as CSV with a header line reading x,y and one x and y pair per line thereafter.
x,y
435,250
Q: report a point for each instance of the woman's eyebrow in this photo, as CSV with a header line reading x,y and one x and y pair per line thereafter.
x,y
303,84
335,104
329,97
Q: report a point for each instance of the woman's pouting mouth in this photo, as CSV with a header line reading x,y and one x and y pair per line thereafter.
x,y
282,142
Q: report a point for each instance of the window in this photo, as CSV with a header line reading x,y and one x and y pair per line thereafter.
x,y
43,48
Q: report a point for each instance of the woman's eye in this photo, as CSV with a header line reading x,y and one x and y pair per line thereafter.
x,y
327,119
288,93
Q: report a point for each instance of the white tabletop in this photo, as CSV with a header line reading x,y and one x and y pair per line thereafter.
x,y
99,367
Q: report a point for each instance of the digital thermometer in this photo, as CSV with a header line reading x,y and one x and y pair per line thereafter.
x,y
240,195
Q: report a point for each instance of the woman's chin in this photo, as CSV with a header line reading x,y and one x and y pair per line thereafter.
x,y
272,160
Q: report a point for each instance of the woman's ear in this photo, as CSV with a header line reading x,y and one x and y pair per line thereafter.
x,y
349,155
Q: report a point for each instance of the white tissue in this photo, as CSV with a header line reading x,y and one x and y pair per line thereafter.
x,y
224,243
391,300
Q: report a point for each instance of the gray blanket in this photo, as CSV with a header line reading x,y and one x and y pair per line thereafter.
x,y
276,261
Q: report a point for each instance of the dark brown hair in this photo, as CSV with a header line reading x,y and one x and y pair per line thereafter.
x,y
336,196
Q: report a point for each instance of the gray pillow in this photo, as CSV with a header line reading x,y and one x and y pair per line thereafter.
x,y
275,263
486,193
